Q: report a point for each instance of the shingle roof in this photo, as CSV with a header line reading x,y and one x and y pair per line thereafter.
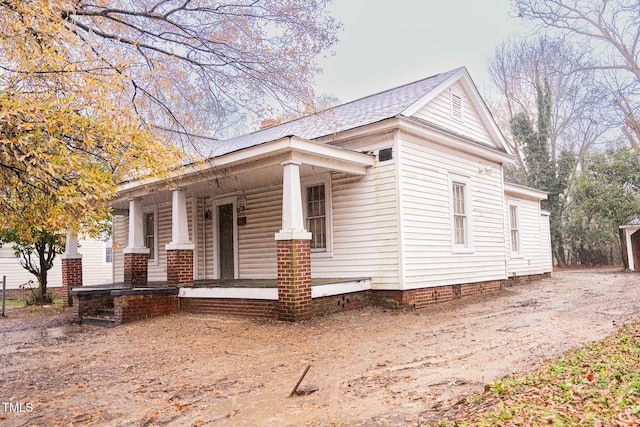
x,y
364,111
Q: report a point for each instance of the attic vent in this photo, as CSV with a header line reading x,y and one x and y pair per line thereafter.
x,y
456,106
385,154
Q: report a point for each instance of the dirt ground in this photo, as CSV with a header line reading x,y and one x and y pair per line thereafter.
x,y
371,367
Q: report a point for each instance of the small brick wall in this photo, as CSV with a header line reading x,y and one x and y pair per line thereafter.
x,y
135,269
233,306
423,297
294,280
131,305
325,306
85,304
71,278
180,267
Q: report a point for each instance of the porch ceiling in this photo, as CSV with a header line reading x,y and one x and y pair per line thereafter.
x,y
255,167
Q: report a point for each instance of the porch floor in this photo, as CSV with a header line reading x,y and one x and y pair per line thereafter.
x,y
265,283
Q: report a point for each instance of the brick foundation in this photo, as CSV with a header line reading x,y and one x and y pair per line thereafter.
x,y
527,279
135,269
231,306
338,303
71,278
423,297
294,280
180,267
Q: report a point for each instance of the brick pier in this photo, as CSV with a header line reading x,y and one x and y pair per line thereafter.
x,y
294,280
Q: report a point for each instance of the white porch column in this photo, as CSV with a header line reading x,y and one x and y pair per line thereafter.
x,y
136,229
136,254
179,222
180,250
292,214
71,267
71,246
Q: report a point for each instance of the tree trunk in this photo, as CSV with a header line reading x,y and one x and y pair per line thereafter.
x,y
623,248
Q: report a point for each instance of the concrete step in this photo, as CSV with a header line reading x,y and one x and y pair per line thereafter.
x,y
100,319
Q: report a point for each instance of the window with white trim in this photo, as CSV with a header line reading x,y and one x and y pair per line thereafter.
x,y
514,225
108,251
317,213
150,234
317,217
459,213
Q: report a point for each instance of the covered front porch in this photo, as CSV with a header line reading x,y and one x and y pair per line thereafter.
x,y
235,227
119,303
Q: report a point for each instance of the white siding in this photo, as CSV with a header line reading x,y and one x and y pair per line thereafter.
x,y
257,256
533,257
157,270
95,270
429,257
545,242
364,229
120,236
438,112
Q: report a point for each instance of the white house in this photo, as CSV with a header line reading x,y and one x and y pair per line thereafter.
x,y
96,256
399,196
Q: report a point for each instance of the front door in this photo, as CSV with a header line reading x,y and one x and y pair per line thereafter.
x,y
225,241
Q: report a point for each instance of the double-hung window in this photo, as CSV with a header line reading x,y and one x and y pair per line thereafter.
x,y
461,221
459,214
317,212
514,225
150,234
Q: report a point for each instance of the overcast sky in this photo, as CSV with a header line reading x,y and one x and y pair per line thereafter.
x,y
387,43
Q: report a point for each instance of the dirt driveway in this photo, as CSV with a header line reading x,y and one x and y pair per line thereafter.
x,y
372,367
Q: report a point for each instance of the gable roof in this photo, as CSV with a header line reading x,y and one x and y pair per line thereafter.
x,y
402,100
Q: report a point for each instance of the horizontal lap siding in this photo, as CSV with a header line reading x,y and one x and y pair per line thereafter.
x,y
545,243
256,240
365,222
158,270
119,238
427,237
533,257
95,270
438,112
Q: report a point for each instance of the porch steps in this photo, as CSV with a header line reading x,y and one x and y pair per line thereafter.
x,y
105,317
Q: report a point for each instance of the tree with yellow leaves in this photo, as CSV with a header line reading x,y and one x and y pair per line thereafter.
x,y
95,92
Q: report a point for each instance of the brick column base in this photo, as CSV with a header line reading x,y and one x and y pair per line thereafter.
x,y
136,269
71,278
180,267
294,280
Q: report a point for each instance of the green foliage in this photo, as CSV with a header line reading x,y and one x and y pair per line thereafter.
x,y
606,195
541,172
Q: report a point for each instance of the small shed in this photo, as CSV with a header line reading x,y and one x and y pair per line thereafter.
x,y
632,239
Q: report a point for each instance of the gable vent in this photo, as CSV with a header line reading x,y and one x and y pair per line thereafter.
x,y
385,154
456,106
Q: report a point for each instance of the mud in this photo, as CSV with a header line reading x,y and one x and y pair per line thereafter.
x,y
371,367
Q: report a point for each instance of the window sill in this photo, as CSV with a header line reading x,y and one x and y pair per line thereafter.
x,y
462,250
321,254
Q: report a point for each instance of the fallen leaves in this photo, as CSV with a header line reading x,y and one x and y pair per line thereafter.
x,y
596,385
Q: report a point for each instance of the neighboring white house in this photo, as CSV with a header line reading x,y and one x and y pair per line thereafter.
x,y
96,258
404,187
